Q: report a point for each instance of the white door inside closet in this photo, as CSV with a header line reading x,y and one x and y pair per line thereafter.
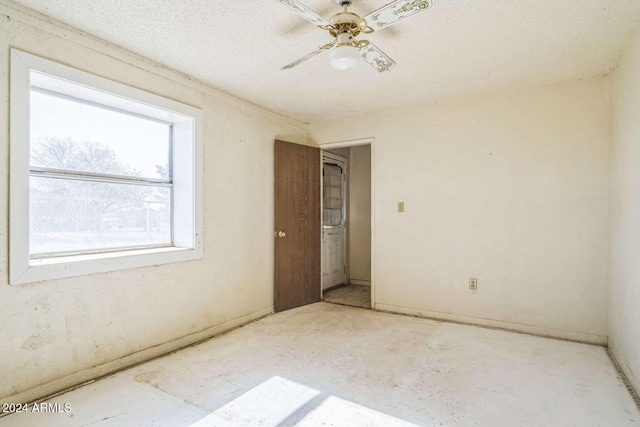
x,y
334,256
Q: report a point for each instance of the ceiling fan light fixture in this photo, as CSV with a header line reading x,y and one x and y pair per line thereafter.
x,y
345,58
346,55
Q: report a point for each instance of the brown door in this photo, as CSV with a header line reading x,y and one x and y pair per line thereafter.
x,y
297,225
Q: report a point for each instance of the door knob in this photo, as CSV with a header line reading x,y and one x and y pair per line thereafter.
x,y
280,234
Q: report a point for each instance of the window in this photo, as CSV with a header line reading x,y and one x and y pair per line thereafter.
x,y
333,202
109,175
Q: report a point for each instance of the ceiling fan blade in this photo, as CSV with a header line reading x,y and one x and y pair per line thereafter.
x,y
297,26
395,12
379,60
305,12
309,56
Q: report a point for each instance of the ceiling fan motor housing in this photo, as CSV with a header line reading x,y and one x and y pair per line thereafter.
x,y
345,22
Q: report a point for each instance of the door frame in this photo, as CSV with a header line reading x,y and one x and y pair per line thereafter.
x,y
354,143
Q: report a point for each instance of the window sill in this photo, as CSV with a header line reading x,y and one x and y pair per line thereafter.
x,y
103,255
52,268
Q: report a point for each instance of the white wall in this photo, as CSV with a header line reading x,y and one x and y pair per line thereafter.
x,y
511,189
624,294
360,214
56,334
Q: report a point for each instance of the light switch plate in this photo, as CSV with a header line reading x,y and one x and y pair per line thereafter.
x,y
400,207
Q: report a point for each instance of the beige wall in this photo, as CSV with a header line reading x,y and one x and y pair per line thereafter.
x,y
624,294
54,334
360,214
511,189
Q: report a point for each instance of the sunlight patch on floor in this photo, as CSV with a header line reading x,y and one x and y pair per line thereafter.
x,y
334,411
280,402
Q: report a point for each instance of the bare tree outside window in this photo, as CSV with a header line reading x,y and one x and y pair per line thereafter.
x,y
71,214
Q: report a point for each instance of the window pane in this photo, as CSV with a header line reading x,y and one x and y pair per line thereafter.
x,y
72,216
73,135
332,191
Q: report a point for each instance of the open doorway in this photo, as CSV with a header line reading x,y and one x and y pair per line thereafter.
x,y
347,218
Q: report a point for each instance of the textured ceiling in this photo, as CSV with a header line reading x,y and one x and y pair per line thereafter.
x,y
456,48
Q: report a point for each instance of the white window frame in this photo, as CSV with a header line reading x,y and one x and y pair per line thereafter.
x,y
186,160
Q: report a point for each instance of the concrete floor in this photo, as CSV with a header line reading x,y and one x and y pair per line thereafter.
x,y
353,295
327,364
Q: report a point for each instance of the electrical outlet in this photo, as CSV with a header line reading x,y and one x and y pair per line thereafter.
x,y
473,284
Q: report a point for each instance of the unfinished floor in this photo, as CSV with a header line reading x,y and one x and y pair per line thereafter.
x,y
327,364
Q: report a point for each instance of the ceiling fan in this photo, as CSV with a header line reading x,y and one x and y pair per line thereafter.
x,y
345,26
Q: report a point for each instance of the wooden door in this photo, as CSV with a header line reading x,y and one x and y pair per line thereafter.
x,y
297,225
